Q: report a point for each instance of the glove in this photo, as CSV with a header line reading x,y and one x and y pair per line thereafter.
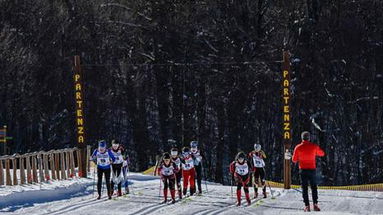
x,y
288,155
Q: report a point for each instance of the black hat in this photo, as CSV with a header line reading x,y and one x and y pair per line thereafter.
x,y
166,155
240,155
185,149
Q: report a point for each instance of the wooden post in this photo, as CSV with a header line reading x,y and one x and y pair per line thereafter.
x,y
88,154
34,169
29,175
286,127
46,167
79,101
67,164
53,166
1,173
63,173
57,165
14,167
79,165
8,180
22,170
72,164
41,167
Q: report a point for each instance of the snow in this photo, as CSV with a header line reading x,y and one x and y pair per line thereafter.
x,y
76,196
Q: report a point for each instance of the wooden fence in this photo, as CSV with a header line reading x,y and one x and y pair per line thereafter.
x,y
41,166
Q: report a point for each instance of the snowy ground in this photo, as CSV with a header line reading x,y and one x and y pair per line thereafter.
x,y
76,197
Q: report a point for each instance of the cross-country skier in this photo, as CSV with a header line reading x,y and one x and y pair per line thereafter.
x,y
118,151
176,159
168,170
196,154
103,157
188,171
240,170
305,153
256,157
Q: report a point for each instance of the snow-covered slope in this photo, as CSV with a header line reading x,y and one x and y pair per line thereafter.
x,y
76,197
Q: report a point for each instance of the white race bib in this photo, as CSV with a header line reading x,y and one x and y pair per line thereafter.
x,y
258,161
189,164
118,157
167,171
177,162
103,159
241,169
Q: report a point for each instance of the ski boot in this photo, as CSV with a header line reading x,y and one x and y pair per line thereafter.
x,y
264,195
238,197
99,197
316,208
119,193
255,195
248,199
306,208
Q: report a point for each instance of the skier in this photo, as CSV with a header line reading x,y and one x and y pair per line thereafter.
x,y
103,157
168,170
258,168
196,154
305,153
176,159
118,150
240,171
188,171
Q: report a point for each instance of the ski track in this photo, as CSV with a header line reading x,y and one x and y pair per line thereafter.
x,y
144,200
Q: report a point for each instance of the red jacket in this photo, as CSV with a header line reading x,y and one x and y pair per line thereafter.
x,y
305,153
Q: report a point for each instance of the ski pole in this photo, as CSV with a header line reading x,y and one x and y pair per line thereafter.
x,y
204,169
271,192
231,186
94,179
159,192
127,179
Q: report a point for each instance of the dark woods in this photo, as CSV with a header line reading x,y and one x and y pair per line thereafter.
x,y
204,70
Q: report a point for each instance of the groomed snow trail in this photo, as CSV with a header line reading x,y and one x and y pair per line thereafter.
x,y
145,200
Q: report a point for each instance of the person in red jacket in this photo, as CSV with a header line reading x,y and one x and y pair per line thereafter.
x,y
305,154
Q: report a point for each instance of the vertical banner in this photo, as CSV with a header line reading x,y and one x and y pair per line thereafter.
x,y
79,103
286,125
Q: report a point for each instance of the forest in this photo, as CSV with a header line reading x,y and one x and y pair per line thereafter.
x,y
206,70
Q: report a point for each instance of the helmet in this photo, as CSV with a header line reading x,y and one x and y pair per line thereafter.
x,y
241,155
102,146
115,144
166,156
257,147
185,151
194,144
174,152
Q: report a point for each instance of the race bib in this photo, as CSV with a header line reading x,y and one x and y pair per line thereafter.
x,y
177,162
258,162
118,157
241,169
167,171
103,159
189,164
